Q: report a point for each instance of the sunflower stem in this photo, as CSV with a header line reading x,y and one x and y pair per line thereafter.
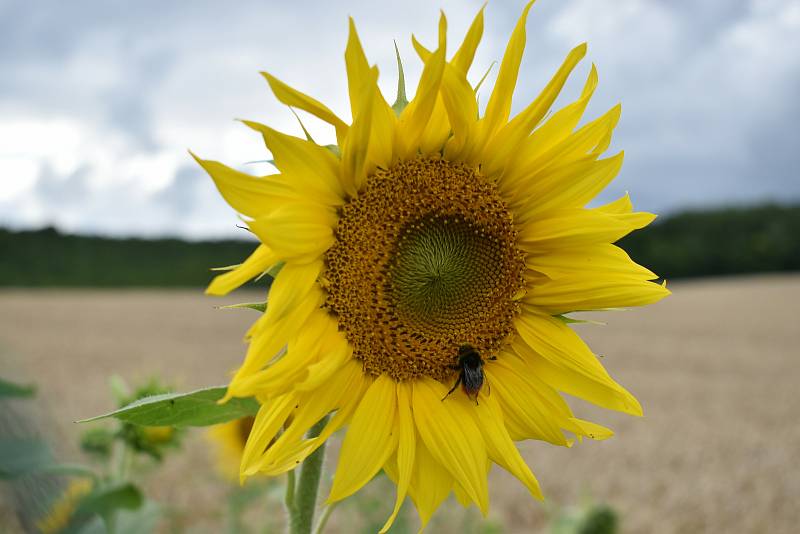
x,y
323,519
290,488
304,500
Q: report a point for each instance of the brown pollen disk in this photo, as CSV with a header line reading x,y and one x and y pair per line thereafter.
x,y
424,262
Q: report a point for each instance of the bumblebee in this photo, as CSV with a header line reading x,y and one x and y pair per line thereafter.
x,y
470,376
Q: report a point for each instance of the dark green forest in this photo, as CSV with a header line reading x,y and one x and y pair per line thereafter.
x,y
718,242
49,258
724,241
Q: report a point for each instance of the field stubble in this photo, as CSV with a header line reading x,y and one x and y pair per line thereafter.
x,y
714,367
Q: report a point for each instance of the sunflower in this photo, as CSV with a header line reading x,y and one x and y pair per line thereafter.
x,y
60,513
430,231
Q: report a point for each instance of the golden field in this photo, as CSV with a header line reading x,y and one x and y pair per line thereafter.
x,y
716,367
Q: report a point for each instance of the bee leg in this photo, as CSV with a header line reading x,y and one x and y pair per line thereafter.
x,y
458,382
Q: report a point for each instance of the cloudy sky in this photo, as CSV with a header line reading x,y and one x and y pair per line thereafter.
x,y
100,100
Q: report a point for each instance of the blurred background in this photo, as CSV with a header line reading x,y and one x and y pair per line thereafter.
x,y
108,228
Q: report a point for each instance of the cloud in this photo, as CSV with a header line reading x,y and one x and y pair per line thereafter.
x,y
101,99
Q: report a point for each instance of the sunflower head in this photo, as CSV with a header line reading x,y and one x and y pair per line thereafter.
x,y
428,227
423,261
62,509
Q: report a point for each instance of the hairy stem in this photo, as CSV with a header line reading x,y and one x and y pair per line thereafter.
x,y
323,520
290,488
304,500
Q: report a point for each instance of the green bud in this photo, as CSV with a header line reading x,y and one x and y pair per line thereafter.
x,y
97,442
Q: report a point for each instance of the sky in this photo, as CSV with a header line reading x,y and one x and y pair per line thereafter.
x,y
100,101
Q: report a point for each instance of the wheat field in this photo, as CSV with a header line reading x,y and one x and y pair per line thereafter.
x,y
715,367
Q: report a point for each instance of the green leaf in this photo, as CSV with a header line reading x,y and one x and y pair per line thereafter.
x,y
571,320
258,306
401,101
10,389
478,86
140,521
72,470
336,152
226,268
19,456
296,116
568,320
270,161
107,499
198,408
120,389
275,269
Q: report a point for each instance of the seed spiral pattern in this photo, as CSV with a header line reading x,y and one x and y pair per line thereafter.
x,y
423,262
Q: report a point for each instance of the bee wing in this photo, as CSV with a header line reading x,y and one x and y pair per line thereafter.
x,y
472,379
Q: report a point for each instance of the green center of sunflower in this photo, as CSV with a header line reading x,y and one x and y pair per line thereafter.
x,y
424,261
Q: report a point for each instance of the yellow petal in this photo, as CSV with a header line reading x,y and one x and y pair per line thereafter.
x,y
296,99
573,151
297,232
555,341
499,106
423,53
461,495
269,420
370,440
462,60
406,447
557,128
353,386
269,337
290,286
292,455
528,414
381,137
311,170
591,430
370,142
462,110
416,116
555,406
437,131
309,408
587,138
579,227
582,382
451,436
358,69
356,146
569,356
430,484
587,261
336,355
570,186
506,142
621,206
596,292
292,367
249,195
502,451
353,393
258,262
